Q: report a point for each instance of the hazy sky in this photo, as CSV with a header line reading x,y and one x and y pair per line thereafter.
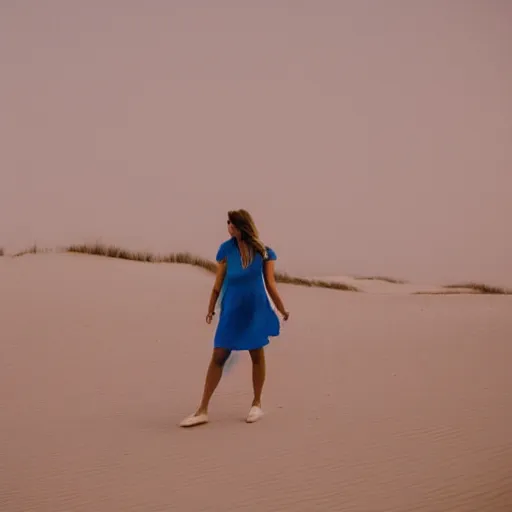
x,y
364,136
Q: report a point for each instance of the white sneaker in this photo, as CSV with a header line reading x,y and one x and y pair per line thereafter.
x,y
192,421
254,414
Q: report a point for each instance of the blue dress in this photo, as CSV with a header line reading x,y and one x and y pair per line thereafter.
x,y
246,317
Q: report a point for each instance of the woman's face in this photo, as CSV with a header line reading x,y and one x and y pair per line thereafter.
x,y
232,230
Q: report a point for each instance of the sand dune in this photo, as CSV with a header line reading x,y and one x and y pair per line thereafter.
x,y
375,401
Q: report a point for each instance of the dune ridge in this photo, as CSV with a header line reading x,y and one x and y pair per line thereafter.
x,y
186,258
337,283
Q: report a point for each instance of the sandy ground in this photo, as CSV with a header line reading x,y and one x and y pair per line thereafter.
x,y
375,401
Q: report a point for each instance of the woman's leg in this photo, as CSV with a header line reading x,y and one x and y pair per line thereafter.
x,y
258,374
213,376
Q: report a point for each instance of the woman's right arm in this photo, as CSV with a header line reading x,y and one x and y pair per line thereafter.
x,y
219,279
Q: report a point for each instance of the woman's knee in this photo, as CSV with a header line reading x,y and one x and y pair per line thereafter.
x,y
220,356
257,356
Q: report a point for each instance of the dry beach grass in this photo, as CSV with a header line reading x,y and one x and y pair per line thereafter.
x,y
481,288
467,288
385,279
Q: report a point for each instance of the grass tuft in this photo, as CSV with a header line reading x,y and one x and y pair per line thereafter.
x,y
31,250
112,251
443,292
316,283
391,280
480,288
186,258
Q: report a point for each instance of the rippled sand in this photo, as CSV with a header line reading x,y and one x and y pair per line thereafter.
x,y
374,402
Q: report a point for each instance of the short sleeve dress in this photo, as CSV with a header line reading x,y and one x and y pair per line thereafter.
x,y
246,318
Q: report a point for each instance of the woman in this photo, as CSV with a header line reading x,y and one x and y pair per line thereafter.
x,y
245,266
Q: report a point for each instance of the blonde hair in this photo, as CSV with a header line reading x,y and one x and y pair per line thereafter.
x,y
243,221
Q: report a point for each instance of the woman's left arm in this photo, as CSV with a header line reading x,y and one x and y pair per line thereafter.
x,y
270,283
